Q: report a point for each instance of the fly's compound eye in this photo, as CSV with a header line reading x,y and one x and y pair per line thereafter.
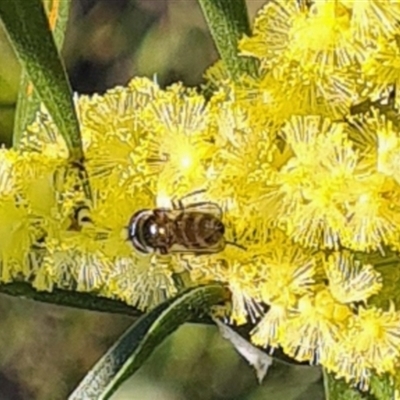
x,y
138,231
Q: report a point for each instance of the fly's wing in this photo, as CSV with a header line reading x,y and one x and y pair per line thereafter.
x,y
164,215
205,207
179,248
208,208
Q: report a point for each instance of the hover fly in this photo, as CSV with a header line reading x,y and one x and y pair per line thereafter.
x,y
194,228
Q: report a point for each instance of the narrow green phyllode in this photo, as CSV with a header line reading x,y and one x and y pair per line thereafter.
x,y
28,100
28,28
228,21
338,389
134,347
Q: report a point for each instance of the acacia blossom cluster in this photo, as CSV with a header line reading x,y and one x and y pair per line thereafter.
x,y
308,180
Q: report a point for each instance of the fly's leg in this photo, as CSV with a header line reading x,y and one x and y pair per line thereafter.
x,y
177,204
191,194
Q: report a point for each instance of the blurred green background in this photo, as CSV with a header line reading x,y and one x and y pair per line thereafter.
x,y
45,350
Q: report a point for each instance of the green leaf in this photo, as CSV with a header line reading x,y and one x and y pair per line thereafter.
x,y
28,28
134,347
228,21
28,100
6,123
382,387
338,389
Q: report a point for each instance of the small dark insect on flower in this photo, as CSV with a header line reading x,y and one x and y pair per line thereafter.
x,y
80,217
195,228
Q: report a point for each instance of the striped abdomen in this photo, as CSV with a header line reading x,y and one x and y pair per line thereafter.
x,y
198,230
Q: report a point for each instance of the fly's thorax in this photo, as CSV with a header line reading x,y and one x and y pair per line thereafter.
x,y
158,230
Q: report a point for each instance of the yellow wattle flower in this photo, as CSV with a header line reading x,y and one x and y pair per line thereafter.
x,y
349,281
310,194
